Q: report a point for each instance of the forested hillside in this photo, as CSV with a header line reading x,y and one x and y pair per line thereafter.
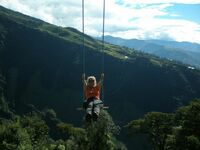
x,y
42,66
184,52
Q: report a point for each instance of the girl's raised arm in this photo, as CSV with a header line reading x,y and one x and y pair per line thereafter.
x,y
83,80
101,80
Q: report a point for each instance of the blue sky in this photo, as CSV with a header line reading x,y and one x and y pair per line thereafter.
x,y
177,20
188,12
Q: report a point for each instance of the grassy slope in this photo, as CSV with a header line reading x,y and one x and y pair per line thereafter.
x,y
165,49
70,34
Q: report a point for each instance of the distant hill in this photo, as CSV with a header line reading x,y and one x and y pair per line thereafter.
x,y
185,52
42,64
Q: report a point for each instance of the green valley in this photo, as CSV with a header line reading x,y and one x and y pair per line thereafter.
x,y
42,66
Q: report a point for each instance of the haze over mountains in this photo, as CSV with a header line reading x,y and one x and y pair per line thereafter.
x,y
185,52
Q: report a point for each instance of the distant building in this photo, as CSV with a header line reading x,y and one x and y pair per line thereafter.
x,y
190,67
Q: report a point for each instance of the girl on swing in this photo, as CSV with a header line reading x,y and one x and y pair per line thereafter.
x,y
92,104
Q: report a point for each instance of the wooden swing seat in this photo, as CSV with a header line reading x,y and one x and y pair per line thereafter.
x,y
81,108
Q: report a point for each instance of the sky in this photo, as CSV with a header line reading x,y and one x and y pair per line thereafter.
x,y
177,20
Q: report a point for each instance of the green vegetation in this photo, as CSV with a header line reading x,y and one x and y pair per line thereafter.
x,y
23,133
184,52
3,103
42,65
177,131
31,132
98,135
70,35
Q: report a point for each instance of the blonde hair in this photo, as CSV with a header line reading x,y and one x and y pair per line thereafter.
x,y
93,78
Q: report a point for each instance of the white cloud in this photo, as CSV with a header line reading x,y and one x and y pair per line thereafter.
x,y
62,12
130,19
179,30
160,1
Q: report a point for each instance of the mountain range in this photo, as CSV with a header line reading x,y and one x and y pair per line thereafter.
x,y
185,52
43,63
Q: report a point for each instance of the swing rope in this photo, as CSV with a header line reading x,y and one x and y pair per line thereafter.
x,y
83,42
83,33
103,45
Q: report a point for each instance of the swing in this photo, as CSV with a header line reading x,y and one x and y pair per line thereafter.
x,y
102,51
82,109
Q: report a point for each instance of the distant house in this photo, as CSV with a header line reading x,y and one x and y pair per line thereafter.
x,y
190,67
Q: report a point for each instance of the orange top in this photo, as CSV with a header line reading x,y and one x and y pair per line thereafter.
x,y
92,92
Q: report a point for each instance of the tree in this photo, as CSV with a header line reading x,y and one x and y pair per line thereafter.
x,y
13,136
177,131
187,135
36,128
158,126
23,133
97,135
